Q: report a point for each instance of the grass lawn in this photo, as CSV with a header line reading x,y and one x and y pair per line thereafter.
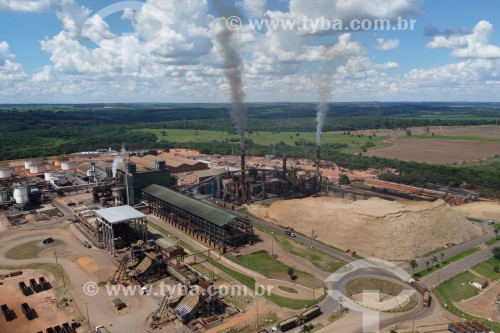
x,y
265,320
321,260
268,138
263,263
288,290
448,261
31,249
492,241
497,226
486,269
458,288
359,286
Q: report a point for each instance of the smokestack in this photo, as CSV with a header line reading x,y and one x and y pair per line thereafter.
x,y
284,166
243,180
317,166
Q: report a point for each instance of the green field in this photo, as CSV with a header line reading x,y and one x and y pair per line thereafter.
x,y
321,260
486,269
353,142
262,263
31,249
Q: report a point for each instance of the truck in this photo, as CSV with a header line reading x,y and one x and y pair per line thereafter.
x,y
427,298
27,311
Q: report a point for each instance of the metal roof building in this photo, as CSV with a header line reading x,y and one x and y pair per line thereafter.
x,y
213,225
109,220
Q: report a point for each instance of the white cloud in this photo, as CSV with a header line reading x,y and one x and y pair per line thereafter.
x,y
44,76
386,45
34,6
255,8
473,45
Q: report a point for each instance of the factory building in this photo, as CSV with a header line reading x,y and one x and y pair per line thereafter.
x,y
114,224
135,181
214,226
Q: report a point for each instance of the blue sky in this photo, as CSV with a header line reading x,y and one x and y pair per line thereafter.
x,y
62,51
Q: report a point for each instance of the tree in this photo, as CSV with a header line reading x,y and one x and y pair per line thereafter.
x,y
496,253
427,262
434,260
393,331
496,233
496,269
344,180
153,152
442,256
413,265
291,272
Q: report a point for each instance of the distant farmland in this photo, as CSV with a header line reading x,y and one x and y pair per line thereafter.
x,y
437,151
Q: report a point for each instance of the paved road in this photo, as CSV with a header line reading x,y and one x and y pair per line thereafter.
x,y
459,248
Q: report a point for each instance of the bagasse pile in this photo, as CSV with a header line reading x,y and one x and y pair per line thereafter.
x,y
375,227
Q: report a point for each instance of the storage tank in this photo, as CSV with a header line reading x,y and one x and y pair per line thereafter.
x,y
27,164
48,176
59,180
4,195
37,168
21,195
90,173
5,173
119,194
68,165
57,162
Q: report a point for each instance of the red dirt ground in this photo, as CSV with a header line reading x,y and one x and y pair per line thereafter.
x,y
437,151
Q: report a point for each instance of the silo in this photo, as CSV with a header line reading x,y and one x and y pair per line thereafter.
x,y
119,193
37,167
4,195
57,162
48,176
27,164
21,195
5,173
68,165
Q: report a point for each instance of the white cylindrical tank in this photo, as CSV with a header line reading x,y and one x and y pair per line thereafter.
x,y
37,168
90,173
21,195
59,180
68,165
48,176
27,164
4,195
5,173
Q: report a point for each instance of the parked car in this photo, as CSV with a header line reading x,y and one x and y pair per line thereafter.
x,y
87,245
491,222
48,240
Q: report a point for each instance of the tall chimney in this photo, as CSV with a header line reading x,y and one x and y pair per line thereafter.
x,y
284,166
317,167
243,180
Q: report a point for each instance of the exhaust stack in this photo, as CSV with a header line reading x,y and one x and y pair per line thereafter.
x,y
284,166
317,167
243,180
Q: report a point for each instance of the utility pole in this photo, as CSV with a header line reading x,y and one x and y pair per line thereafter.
x,y
272,245
257,300
88,318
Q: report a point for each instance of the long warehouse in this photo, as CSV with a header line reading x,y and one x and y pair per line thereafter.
x,y
216,227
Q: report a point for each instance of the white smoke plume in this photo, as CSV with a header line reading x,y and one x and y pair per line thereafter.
x,y
325,93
